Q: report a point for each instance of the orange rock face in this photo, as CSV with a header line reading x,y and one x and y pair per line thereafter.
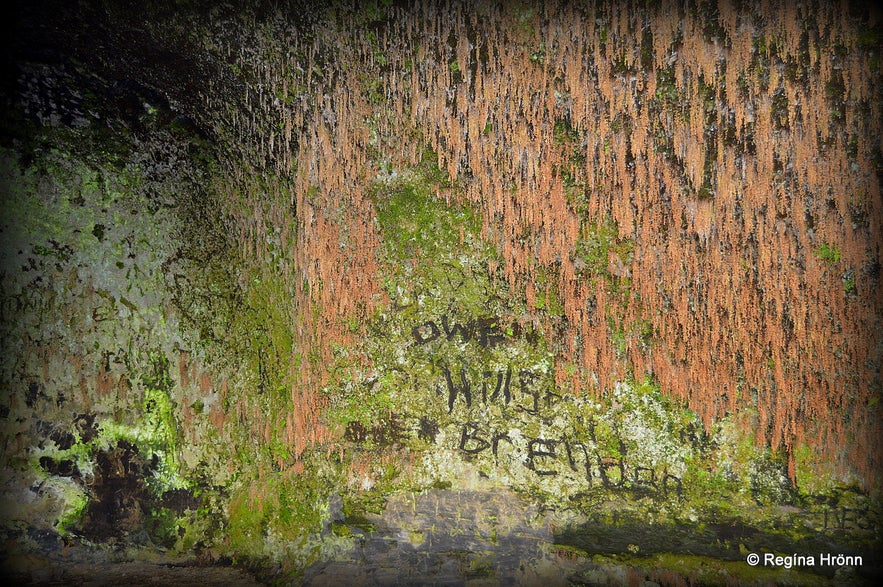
x,y
735,152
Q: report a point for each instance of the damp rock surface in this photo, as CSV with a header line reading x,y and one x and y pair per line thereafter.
x,y
449,537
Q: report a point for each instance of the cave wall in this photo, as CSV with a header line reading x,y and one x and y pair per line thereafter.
x,y
733,152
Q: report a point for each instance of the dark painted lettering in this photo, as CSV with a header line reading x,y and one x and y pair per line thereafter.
x,y
488,375
551,398
671,484
527,384
569,446
495,442
452,330
454,390
428,429
840,518
612,472
543,456
426,332
591,427
645,477
507,395
846,518
470,441
862,521
539,448
486,331
489,334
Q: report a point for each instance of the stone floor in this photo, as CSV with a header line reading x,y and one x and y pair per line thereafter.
x,y
451,537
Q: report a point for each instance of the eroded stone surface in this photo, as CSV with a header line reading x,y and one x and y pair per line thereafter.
x,y
450,537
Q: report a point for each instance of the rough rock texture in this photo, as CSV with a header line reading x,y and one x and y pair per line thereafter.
x,y
446,537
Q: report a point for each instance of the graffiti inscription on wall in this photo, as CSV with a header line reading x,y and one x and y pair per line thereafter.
x,y
527,393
